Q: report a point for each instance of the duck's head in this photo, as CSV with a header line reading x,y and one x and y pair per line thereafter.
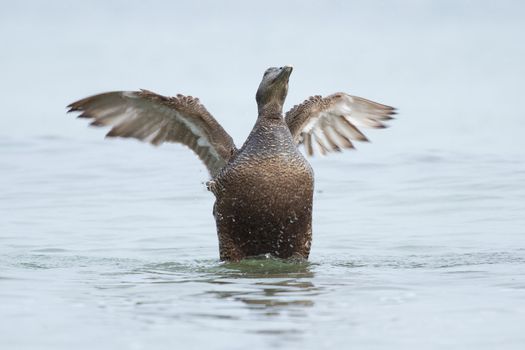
x,y
273,89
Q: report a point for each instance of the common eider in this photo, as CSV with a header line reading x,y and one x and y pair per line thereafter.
x,y
264,189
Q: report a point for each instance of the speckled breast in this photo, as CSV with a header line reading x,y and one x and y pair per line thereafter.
x,y
264,198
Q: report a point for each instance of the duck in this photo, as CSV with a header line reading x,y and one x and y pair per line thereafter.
x,y
263,190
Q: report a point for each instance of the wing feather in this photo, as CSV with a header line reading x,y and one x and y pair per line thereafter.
x,y
333,122
156,119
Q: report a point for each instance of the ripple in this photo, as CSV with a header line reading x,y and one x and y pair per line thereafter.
x,y
50,250
435,261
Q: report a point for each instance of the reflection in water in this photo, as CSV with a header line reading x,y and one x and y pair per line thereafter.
x,y
271,289
277,284
267,291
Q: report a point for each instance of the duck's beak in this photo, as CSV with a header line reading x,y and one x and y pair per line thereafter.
x,y
285,73
288,69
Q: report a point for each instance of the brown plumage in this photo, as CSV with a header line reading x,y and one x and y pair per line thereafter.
x,y
332,121
153,118
264,190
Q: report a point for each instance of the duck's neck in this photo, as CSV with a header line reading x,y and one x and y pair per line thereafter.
x,y
271,111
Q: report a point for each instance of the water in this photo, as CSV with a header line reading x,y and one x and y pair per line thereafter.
x,y
419,237
410,250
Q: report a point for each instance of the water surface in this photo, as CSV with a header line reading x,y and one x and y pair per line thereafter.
x,y
124,249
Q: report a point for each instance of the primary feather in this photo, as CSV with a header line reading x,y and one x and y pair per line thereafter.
x,y
332,123
156,119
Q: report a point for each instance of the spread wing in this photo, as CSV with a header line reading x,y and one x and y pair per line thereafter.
x,y
153,118
332,123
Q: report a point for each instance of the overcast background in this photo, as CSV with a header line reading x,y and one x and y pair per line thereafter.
x,y
447,65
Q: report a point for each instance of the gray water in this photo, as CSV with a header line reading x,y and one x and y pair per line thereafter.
x,y
419,237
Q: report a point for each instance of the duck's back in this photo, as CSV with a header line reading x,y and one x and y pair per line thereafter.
x,y
264,197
